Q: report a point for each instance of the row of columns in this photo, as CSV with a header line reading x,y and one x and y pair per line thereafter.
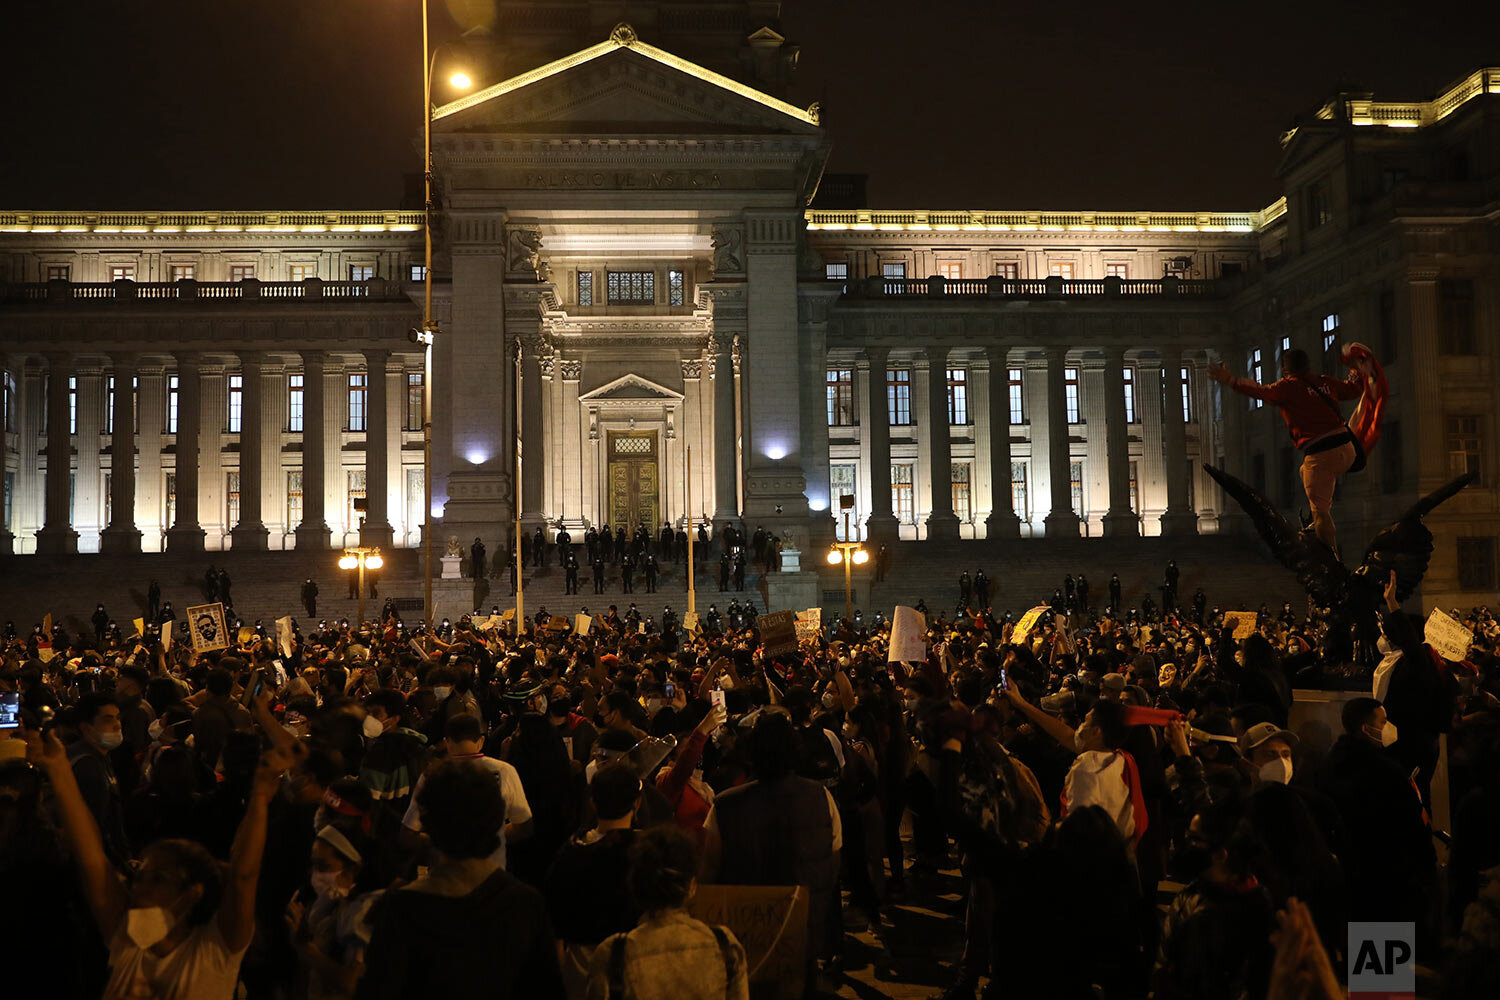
x,y
258,430
1061,521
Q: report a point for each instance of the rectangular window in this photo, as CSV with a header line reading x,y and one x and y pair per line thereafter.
x,y
416,499
301,272
958,396
8,404
1464,445
837,271
1330,326
361,272
1257,369
171,406
1128,377
359,395
72,404
585,288
1019,501
631,287
414,400
109,407
902,499
1281,349
840,397
231,499
1392,470
962,502
122,272
417,272
294,397
58,272
233,418
184,272
1070,394
841,483
1185,391
171,500
10,507
1061,269
241,272
1135,488
1008,269
675,288
1117,270
1231,268
952,270
1457,310
898,396
293,500
1476,563
1017,386
1319,204
893,269
1075,487
356,481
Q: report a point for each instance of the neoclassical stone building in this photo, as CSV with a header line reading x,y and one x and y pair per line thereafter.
x,y
640,254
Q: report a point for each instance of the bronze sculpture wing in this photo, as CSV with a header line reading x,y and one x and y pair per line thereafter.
x,y
1317,568
1406,545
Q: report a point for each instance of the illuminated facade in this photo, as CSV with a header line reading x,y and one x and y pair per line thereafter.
x,y
632,230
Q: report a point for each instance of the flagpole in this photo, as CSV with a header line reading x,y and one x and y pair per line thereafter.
x,y
691,531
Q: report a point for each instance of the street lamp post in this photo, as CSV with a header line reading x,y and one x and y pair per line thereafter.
x,y
359,558
427,334
850,553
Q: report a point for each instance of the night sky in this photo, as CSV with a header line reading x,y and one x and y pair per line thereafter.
x,y
217,104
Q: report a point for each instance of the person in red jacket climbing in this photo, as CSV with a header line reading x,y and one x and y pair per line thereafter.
x,y
1309,404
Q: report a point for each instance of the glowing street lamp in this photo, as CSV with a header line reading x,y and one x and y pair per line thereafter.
x,y
850,553
361,558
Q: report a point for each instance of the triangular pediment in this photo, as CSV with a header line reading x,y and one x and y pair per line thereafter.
x,y
631,388
623,86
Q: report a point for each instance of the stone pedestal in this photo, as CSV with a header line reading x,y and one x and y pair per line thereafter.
x,y
792,591
451,567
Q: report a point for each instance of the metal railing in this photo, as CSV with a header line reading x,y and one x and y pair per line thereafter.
x,y
937,287
310,289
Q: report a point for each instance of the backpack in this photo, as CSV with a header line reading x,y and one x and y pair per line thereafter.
x,y
617,961
993,799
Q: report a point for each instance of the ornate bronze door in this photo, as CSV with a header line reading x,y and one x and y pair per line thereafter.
x,y
634,481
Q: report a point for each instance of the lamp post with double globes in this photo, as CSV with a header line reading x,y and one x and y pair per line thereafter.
x,y
428,333
361,558
850,553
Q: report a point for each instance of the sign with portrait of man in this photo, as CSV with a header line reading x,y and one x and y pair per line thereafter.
x,y
206,627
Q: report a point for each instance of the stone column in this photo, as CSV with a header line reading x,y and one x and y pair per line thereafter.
x,y
1179,517
533,454
1426,381
1096,442
1061,522
822,506
56,536
881,525
941,521
1232,406
1002,522
726,475
377,525
574,449
150,510
9,405
250,533
121,536
1121,521
88,503
691,431
186,534
312,533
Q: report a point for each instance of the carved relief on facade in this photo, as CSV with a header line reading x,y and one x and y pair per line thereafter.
x,y
729,250
523,251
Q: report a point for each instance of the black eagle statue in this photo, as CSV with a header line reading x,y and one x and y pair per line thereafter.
x,y
1350,599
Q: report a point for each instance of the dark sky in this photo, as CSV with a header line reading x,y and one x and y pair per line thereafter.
x,y
195,104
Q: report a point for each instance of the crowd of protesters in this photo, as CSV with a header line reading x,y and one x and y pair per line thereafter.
x,y
375,810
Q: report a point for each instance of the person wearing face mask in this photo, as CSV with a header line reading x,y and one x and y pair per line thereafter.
x,y
394,755
330,934
1389,855
177,929
1268,749
99,733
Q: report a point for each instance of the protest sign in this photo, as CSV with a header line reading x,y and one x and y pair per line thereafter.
x,y
284,635
1243,623
1448,638
1027,623
770,922
582,623
809,624
140,627
245,634
206,627
778,633
47,627
557,623
690,623
908,636
166,637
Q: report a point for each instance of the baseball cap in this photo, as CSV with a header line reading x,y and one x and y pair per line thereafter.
x,y
1262,731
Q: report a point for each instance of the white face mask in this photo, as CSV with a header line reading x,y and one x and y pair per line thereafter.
x,y
148,925
1082,736
155,729
108,741
1278,770
372,727
326,885
830,699
1387,734
441,692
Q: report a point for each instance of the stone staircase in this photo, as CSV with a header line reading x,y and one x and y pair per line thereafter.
x,y
1023,572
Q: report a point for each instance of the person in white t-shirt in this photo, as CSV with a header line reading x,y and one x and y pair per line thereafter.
x,y
464,741
178,929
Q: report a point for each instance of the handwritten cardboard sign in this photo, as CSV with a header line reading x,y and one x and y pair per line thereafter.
x,y
778,633
809,624
206,627
582,623
770,921
284,635
1447,637
1027,624
1243,623
908,636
